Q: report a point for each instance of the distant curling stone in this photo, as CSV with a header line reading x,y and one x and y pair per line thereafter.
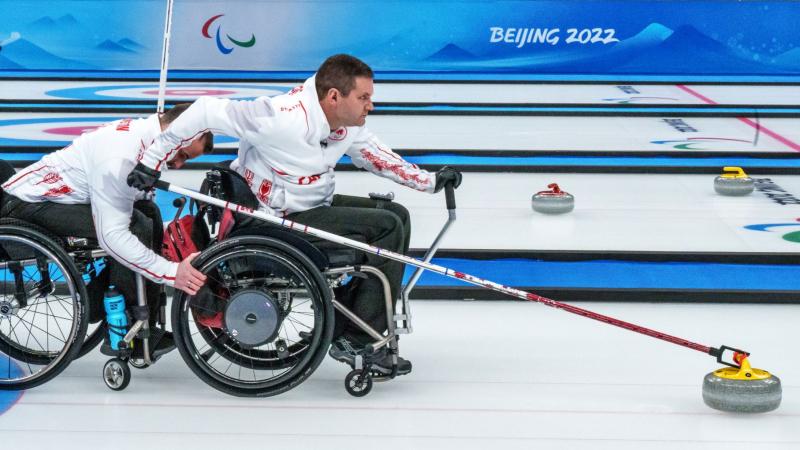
x,y
554,201
733,182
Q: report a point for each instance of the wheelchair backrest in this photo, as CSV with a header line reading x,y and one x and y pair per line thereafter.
x,y
227,184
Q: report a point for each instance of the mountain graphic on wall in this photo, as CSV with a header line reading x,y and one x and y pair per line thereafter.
x,y
451,52
7,64
688,48
27,55
130,44
48,24
67,20
789,59
111,46
45,22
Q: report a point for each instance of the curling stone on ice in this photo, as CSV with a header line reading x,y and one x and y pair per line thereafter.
x,y
733,182
742,389
554,201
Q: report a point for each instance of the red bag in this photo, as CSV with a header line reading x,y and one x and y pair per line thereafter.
x,y
178,243
184,235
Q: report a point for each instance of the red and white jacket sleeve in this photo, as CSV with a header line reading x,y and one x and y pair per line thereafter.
x,y
368,152
233,118
112,206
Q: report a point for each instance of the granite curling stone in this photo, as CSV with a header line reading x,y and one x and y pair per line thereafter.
x,y
554,201
742,389
733,182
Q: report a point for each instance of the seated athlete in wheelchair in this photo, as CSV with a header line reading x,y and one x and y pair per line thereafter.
x,y
70,228
289,146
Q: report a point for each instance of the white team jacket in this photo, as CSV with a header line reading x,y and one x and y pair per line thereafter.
x,y
94,170
287,151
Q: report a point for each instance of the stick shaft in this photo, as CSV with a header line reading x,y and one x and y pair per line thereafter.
x,y
433,267
162,78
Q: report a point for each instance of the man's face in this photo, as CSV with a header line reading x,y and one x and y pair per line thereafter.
x,y
353,108
194,150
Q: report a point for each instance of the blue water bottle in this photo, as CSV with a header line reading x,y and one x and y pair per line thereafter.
x,y
116,319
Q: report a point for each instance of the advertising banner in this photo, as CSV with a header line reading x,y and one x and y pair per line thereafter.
x,y
592,37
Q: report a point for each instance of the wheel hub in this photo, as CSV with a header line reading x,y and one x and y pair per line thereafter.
x,y
7,309
252,318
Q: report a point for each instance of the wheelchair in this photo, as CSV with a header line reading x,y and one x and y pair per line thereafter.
x,y
44,309
264,320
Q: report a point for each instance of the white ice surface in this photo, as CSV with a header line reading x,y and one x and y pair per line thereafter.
x,y
508,375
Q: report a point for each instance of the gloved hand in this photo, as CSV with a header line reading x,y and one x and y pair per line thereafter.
x,y
143,177
447,175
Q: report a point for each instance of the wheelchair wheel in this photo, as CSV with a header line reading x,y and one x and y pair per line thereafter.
x,y
263,322
42,307
95,333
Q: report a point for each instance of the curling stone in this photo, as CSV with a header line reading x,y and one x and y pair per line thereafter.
x,y
742,389
733,182
554,201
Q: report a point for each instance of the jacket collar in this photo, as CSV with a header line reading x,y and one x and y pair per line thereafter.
x,y
320,126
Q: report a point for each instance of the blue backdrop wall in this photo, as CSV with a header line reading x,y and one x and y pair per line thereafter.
x,y
712,37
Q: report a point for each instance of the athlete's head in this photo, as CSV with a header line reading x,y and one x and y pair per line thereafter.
x,y
202,145
344,89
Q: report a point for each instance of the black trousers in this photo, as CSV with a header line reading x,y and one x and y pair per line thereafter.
x,y
383,224
76,220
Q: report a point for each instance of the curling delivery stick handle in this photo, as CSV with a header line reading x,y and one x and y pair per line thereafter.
x,y
450,196
163,185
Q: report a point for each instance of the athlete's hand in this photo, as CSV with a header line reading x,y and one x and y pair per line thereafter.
x,y
143,177
188,279
447,175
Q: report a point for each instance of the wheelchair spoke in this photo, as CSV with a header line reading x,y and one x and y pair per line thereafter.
x,y
26,361
46,332
57,324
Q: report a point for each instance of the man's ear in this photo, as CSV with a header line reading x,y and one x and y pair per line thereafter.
x,y
333,94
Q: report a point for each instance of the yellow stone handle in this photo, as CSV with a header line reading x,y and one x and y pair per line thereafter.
x,y
733,172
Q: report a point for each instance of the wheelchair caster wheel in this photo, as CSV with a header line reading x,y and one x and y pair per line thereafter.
x,y
116,374
358,383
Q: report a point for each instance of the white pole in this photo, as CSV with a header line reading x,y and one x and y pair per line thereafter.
x,y
162,81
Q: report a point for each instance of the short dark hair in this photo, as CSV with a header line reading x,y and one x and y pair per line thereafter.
x,y
208,147
340,72
171,114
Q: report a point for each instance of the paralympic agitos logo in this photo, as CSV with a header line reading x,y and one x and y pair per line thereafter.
x,y
791,236
218,36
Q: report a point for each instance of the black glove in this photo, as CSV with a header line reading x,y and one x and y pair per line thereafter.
x,y
447,175
143,177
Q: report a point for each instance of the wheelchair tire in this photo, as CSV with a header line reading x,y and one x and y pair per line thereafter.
x,y
93,338
40,339
285,347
